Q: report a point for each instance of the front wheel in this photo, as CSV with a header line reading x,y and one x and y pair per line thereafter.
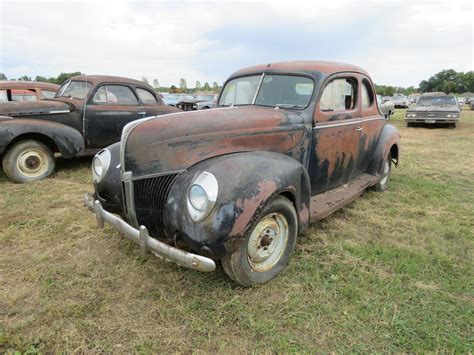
x,y
267,247
384,174
27,161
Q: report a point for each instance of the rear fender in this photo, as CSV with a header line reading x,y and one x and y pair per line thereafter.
x,y
247,181
67,140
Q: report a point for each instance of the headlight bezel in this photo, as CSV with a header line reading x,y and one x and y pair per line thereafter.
x,y
209,185
104,158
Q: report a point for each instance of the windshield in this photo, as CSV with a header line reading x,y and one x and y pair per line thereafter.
x,y
436,101
74,89
285,91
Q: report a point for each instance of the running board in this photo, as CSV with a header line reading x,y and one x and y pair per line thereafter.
x,y
324,204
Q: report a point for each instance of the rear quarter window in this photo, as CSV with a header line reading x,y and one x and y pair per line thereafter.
x,y
146,97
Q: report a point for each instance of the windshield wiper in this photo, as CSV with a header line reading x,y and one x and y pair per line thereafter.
x,y
278,106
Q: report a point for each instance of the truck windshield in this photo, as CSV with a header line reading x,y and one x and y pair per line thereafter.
x,y
272,90
74,89
436,101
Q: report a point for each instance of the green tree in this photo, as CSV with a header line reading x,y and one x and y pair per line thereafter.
x,y
156,84
206,87
3,76
182,84
145,80
41,79
198,85
24,78
63,77
215,86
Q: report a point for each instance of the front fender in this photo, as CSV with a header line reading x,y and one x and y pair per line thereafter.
x,y
246,182
68,140
389,137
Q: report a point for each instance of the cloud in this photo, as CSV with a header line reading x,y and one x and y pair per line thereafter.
x,y
398,42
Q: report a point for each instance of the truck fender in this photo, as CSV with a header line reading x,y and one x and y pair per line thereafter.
x,y
68,141
247,181
389,141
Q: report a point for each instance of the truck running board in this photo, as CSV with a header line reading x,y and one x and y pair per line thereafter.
x,y
324,204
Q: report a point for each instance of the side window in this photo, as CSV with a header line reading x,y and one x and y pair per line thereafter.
x,y
367,94
339,95
3,96
100,96
146,96
47,94
23,95
115,94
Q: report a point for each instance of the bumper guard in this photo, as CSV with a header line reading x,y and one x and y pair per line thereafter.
x,y
141,236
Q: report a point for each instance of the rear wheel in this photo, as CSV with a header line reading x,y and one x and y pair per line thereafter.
x,y
28,160
267,247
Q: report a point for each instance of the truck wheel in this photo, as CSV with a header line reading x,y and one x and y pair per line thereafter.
x,y
267,246
384,174
28,160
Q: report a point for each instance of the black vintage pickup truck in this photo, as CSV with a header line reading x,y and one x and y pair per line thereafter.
x,y
86,115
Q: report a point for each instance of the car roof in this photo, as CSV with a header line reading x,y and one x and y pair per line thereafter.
x,y
97,79
20,84
302,66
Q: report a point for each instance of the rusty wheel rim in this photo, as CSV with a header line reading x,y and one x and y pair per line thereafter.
x,y
267,243
32,163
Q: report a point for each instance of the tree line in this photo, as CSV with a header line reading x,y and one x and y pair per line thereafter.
x,y
448,81
181,88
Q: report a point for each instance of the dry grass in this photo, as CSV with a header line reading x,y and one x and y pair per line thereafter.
x,y
391,272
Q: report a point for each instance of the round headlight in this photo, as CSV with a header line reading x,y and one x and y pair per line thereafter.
x,y
100,165
202,196
97,166
198,198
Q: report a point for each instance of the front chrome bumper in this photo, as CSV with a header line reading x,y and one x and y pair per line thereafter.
x,y
141,236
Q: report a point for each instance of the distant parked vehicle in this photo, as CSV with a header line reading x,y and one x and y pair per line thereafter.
x,y
461,100
86,115
400,101
26,91
434,110
387,108
174,99
471,104
198,102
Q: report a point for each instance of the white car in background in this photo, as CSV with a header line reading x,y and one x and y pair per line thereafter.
x,y
400,101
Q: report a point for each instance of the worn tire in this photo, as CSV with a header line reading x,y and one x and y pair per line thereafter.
x,y
27,161
385,171
274,233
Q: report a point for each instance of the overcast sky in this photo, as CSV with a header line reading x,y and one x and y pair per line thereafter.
x,y
397,42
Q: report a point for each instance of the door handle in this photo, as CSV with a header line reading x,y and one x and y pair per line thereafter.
x,y
359,129
141,113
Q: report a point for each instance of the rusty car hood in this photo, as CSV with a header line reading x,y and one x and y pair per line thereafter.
x,y
174,142
27,108
435,108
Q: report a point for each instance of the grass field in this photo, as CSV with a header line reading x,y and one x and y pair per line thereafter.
x,y
392,271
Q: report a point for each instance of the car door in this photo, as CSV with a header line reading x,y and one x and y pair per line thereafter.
x,y
372,122
336,134
152,104
110,108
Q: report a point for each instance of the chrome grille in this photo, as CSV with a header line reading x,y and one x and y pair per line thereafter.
x,y
150,197
433,114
